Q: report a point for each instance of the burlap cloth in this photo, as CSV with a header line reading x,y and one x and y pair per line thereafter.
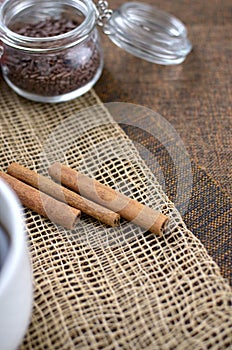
x,y
102,288
195,97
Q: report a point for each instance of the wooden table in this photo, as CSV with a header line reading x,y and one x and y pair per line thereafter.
x,y
195,97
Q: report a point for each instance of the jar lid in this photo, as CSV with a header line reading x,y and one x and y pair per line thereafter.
x,y
148,33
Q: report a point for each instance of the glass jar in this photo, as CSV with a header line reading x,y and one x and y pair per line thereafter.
x,y
51,49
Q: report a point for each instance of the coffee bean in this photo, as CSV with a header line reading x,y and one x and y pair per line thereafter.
x,y
56,73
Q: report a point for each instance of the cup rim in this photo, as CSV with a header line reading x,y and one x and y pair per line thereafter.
x,y
17,235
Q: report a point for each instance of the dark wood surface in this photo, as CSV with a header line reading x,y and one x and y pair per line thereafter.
x,y
195,96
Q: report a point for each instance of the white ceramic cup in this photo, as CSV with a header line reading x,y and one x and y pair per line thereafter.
x,y
16,287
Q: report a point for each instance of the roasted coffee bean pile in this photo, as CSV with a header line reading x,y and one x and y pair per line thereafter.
x,y
51,74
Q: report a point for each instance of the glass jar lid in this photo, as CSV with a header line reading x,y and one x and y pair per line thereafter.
x,y
146,32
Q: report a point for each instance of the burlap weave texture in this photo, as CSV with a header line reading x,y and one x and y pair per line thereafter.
x,y
102,288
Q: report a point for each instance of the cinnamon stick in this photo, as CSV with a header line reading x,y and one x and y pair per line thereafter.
x,y
128,208
58,212
61,193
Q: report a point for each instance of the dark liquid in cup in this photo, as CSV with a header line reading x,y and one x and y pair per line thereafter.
x,y
4,245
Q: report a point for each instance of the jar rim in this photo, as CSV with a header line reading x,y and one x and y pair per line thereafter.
x,y
78,34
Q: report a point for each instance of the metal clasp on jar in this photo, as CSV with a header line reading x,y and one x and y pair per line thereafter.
x,y
104,15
